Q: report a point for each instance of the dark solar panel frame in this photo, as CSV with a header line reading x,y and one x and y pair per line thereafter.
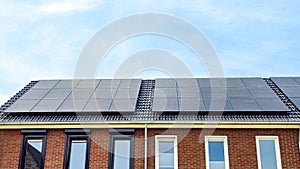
x,y
88,83
109,83
284,81
98,105
163,105
130,83
45,84
123,105
165,83
72,105
66,84
47,105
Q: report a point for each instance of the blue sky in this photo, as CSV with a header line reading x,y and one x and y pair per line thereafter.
x,y
43,39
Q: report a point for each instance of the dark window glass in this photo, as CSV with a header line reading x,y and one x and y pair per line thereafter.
x,y
32,153
121,151
77,154
122,154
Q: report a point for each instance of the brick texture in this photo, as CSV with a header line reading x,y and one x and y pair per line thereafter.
x,y
241,147
191,149
99,149
55,145
10,143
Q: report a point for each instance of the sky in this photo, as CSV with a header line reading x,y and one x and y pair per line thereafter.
x,y
44,39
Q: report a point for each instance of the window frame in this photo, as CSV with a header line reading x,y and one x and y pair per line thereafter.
x,y
120,134
159,138
216,139
68,145
32,135
277,150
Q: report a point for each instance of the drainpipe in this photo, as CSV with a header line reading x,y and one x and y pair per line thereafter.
x,y
146,147
299,141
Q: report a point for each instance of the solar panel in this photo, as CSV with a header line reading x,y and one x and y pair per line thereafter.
x,y
238,92
290,87
297,79
209,92
296,101
271,104
66,84
72,105
188,92
35,94
165,93
109,83
232,82
58,94
45,84
207,82
127,93
104,93
291,91
244,104
88,83
165,83
284,81
22,105
187,83
98,105
123,105
81,93
194,104
130,83
217,104
162,105
47,105
254,82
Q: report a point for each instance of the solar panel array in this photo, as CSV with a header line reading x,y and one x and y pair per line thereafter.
x,y
79,96
170,95
290,87
217,94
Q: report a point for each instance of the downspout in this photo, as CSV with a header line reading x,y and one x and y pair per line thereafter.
x,y
146,147
299,140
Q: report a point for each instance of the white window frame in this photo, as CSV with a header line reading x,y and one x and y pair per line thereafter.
x,y
216,139
159,138
277,149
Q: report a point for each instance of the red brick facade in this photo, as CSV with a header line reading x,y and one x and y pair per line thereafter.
x,y
191,149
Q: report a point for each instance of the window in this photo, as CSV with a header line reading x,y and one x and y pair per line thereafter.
x,y
166,152
121,149
33,149
268,152
77,149
216,151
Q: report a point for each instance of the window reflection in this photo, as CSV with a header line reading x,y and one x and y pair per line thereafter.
x,y
166,155
33,154
121,154
216,155
78,154
268,154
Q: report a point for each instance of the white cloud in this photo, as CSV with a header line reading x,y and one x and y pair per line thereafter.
x,y
68,6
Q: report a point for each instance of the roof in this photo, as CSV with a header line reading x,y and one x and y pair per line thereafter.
x,y
184,99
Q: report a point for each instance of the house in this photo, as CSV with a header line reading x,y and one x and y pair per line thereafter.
x,y
183,123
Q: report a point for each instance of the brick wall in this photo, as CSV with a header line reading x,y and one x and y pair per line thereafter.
x,y
241,147
99,149
191,150
10,142
55,145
